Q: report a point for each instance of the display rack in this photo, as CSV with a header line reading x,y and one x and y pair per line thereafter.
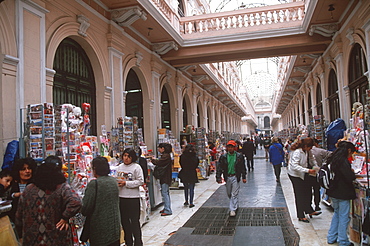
x,y
318,130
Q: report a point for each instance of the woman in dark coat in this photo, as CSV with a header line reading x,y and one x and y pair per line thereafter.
x,y
188,174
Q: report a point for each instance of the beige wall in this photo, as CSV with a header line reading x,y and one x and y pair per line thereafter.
x,y
27,77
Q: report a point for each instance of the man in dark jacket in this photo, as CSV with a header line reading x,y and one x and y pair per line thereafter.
x,y
249,150
232,167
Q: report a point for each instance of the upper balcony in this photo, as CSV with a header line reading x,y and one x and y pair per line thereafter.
x,y
298,28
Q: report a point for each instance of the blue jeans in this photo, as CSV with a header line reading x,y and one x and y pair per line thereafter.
x,y
189,190
339,222
165,191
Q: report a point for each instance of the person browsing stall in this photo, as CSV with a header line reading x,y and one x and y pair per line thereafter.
x,y
101,203
232,167
341,192
165,161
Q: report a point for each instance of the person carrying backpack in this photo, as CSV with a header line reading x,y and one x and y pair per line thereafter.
x,y
341,191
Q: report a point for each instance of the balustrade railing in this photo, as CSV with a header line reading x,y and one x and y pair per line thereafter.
x,y
253,17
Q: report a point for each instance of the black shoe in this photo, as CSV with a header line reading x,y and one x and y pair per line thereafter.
x,y
191,205
315,213
304,220
317,208
249,170
186,203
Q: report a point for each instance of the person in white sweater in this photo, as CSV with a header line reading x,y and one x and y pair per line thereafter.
x,y
301,164
130,177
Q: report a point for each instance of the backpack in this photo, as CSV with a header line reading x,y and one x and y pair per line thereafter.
x,y
325,176
11,153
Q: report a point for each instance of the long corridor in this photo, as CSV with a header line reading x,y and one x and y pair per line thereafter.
x,y
266,214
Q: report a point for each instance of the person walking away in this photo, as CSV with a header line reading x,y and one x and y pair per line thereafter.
x,y
45,207
276,154
130,177
266,146
188,174
341,192
101,202
249,150
165,161
232,167
320,156
298,172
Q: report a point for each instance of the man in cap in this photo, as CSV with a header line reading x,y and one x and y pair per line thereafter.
x,y
232,167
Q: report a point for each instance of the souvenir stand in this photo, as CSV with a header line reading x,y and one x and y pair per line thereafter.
x,y
358,134
165,136
63,131
202,153
214,137
318,129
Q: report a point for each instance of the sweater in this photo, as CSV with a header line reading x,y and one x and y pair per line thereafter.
x,y
39,211
133,175
298,165
276,154
105,217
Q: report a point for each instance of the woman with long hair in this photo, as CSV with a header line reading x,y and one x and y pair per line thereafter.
x,y
300,166
341,191
46,206
188,173
22,172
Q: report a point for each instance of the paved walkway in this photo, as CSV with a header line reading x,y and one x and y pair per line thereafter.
x,y
261,190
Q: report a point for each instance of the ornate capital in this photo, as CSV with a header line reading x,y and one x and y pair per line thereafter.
x,y
125,17
164,47
84,25
326,30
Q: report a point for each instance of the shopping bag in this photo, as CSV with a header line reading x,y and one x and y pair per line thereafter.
x,y
7,235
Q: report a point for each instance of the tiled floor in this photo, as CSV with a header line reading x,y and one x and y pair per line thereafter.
x,y
258,192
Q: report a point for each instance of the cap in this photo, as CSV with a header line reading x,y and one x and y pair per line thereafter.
x,y
231,142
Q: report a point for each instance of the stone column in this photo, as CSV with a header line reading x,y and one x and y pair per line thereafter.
x,y
344,101
117,107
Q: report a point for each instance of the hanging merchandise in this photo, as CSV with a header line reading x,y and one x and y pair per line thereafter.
x,y
202,152
41,133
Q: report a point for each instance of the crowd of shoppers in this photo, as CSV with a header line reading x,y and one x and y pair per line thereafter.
x,y
114,202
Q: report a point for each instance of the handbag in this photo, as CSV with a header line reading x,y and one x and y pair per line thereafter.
x,y
85,234
159,171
